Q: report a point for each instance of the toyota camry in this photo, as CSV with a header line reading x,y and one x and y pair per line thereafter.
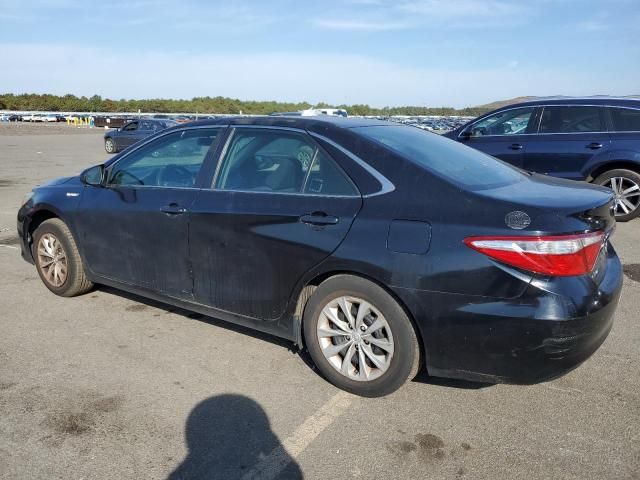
x,y
380,248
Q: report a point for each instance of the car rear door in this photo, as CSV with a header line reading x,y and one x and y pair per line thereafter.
x,y
569,139
279,205
503,134
134,229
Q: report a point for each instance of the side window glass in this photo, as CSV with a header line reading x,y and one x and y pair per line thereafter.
x,y
172,160
625,119
266,160
130,127
326,178
146,125
509,122
563,119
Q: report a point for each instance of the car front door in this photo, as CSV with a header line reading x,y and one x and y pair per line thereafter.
x,y
503,134
128,134
569,139
279,205
134,229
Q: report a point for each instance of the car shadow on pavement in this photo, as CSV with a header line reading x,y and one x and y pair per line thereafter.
x,y
229,437
422,376
199,317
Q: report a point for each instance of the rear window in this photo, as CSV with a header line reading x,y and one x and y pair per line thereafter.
x,y
570,119
625,119
447,158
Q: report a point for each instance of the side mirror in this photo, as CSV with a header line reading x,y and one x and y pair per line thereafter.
x,y
466,135
93,176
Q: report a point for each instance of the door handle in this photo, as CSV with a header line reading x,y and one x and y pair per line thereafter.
x,y
319,218
594,145
173,209
515,146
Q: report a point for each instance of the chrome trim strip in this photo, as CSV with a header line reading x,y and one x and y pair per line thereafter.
x,y
221,157
386,185
267,192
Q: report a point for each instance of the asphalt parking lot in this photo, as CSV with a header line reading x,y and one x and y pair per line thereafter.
x,y
108,385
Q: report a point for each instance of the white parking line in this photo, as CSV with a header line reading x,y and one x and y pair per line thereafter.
x,y
280,457
10,246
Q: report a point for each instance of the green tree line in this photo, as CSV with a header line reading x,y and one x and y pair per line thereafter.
x,y
203,105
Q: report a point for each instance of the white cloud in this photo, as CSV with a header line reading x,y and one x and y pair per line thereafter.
x,y
420,14
359,25
61,69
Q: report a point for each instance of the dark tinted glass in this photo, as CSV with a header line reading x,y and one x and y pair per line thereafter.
x,y
447,158
625,119
571,120
326,178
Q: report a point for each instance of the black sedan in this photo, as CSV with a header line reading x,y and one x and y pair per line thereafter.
x,y
380,248
132,132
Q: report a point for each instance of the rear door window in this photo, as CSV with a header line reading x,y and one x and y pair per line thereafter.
x,y
265,160
625,119
570,119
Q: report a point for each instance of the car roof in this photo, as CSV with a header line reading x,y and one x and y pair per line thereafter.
x,y
304,123
593,100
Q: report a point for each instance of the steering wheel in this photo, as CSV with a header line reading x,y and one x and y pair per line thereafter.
x,y
174,176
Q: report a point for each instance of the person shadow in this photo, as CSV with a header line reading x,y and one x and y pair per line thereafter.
x,y
229,437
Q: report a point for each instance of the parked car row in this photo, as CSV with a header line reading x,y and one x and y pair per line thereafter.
x,y
33,117
432,124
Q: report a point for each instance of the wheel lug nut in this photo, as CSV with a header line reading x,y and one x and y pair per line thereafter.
x,y
348,337
363,328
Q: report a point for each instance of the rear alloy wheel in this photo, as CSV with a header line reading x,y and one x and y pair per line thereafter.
x,y
58,260
626,188
110,145
360,339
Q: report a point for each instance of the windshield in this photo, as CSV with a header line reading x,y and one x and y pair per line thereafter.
x,y
447,158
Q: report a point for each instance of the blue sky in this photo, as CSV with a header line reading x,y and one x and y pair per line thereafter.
x,y
381,52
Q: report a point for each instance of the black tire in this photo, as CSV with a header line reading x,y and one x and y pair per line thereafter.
x,y
110,145
630,177
75,282
405,360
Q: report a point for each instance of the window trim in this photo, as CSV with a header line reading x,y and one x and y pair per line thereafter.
x,y
154,137
300,131
386,185
541,106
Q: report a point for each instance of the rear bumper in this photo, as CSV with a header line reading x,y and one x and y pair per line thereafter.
x,y
551,329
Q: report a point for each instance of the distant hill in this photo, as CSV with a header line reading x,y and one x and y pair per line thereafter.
x,y
503,103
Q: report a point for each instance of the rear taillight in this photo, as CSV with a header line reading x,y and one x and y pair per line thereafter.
x,y
558,255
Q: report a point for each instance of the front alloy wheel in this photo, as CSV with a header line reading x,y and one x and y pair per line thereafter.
x,y
52,260
110,145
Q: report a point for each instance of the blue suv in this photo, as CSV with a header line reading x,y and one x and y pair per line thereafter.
x,y
596,139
